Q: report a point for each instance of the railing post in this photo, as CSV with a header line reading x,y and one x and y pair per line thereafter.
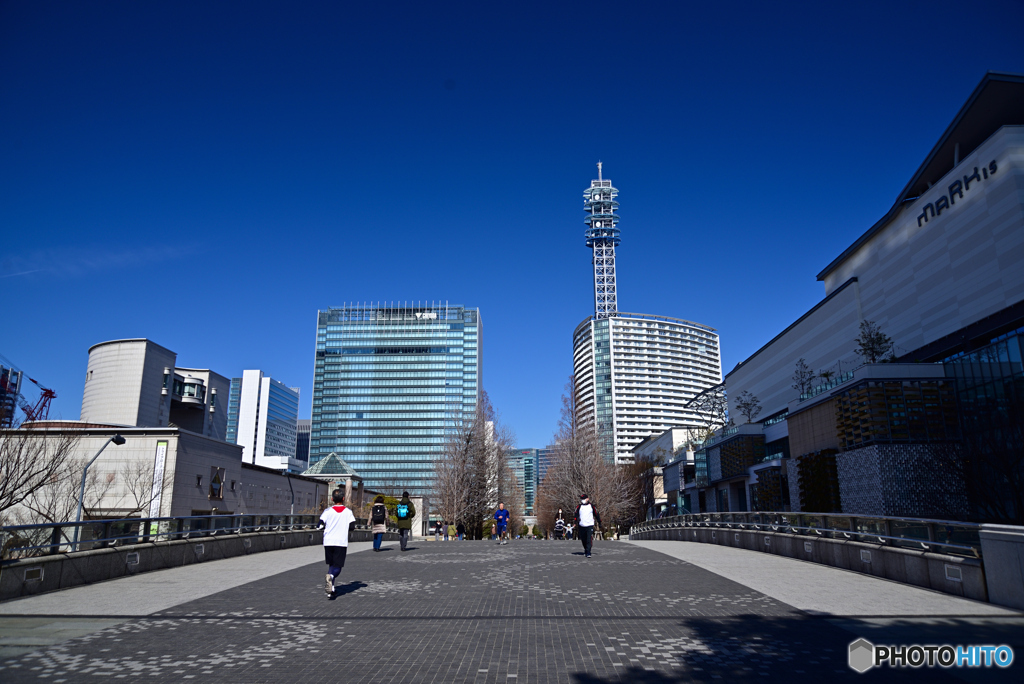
x,y
55,540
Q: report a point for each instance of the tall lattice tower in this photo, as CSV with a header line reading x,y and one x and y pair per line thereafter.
x,y
602,236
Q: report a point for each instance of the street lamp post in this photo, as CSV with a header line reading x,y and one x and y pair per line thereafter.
x,y
116,439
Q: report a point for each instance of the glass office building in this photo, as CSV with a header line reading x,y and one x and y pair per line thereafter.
x,y
388,379
234,401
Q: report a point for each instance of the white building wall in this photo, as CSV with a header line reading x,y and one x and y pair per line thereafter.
x,y
266,436
923,282
918,283
123,383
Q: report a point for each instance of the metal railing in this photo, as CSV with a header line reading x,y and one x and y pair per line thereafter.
x,y
948,536
27,541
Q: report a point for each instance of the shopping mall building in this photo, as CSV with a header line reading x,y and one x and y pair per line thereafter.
x,y
931,431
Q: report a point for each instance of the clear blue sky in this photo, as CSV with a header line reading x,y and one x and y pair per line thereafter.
x,y
208,175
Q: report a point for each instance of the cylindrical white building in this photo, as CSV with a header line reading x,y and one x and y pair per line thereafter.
x,y
636,372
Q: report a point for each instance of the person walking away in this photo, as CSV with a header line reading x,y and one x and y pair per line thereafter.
x,y
379,521
559,526
452,533
501,523
337,521
586,518
437,529
405,512
461,529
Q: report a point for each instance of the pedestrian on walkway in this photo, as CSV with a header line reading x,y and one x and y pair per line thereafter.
x,y
452,533
337,521
559,525
461,529
569,531
379,521
501,523
437,529
405,512
586,518
444,529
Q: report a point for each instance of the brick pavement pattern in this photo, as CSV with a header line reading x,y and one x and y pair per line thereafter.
x,y
529,611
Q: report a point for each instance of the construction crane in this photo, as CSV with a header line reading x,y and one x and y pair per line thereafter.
x,y
41,411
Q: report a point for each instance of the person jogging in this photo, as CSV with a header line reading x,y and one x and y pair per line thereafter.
x,y
501,523
586,518
337,521
405,511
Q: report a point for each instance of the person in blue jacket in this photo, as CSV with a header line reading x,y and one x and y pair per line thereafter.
x,y
501,523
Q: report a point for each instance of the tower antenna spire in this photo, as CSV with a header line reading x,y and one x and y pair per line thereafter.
x,y
602,237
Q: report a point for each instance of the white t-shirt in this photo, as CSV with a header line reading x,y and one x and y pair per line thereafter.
x,y
586,515
336,521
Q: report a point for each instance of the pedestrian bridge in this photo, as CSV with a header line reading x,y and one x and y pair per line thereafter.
x,y
657,611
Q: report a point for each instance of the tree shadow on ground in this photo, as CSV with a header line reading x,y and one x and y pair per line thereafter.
x,y
790,648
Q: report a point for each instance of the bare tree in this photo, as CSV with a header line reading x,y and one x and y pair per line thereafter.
x,y
579,467
803,377
872,344
29,461
472,474
138,486
748,405
712,409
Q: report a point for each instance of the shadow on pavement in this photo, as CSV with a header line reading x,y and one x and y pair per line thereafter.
x,y
794,648
341,590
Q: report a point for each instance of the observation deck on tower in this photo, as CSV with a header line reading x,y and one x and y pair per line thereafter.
x,y
602,236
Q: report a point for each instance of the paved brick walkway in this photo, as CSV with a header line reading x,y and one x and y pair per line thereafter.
x,y
469,612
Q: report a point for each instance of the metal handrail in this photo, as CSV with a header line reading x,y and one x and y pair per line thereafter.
x,y
854,527
20,541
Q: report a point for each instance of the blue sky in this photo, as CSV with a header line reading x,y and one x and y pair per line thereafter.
x,y
208,175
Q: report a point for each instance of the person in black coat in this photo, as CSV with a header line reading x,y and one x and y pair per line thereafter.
x,y
587,518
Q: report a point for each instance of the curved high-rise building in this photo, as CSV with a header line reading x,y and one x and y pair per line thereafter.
x,y
634,372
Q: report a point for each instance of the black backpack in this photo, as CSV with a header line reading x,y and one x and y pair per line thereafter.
x,y
380,514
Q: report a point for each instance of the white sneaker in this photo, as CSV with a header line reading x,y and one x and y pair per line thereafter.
x,y
329,585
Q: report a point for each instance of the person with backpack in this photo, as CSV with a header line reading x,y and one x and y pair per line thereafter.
x,y
378,521
337,521
586,518
405,512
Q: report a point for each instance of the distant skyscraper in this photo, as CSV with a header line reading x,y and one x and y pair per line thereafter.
x,y
266,421
388,379
634,372
523,463
302,440
234,400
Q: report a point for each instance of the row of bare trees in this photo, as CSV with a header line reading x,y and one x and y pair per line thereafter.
x,y
41,473
472,474
578,466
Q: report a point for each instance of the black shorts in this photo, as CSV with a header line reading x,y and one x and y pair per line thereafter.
x,y
335,555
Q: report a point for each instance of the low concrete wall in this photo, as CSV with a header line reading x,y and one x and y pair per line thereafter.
x,y
949,574
1002,547
29,576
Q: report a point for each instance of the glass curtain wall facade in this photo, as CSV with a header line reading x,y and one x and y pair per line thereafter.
x,y
636,372
388,380
524,466
234,401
